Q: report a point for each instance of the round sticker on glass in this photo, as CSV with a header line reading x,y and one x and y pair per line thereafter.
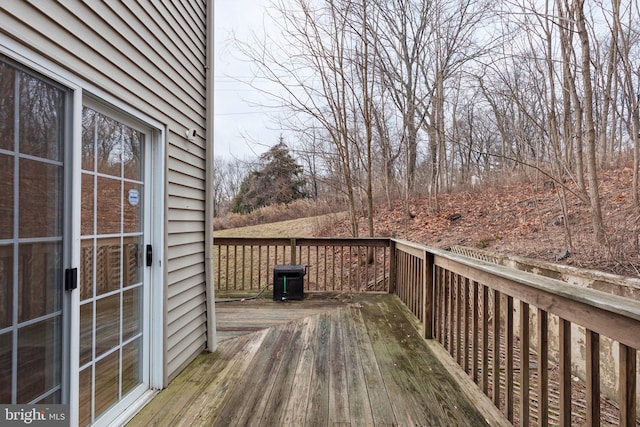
x,y
134,197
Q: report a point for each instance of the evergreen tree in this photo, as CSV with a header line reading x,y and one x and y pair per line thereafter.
x,y
278,179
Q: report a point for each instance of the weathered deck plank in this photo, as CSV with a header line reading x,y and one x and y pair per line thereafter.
x,y
360,408
294,411
339,395
318,404
381,408
355,361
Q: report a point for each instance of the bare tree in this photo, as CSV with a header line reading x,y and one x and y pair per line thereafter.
x,y
624,36
321,66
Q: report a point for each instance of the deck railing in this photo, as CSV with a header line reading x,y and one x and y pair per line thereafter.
x,y
354,265
495,322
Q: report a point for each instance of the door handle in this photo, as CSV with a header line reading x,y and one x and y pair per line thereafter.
x,y
70,279
149,256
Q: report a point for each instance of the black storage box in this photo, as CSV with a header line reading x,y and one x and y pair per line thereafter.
x,y
288,282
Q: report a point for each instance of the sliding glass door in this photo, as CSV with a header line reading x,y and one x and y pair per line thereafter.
x,y
32,236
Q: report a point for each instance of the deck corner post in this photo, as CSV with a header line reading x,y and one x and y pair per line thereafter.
x,y
428,295
392,266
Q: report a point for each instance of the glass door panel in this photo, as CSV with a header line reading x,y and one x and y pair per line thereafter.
x,y
32,141
112,265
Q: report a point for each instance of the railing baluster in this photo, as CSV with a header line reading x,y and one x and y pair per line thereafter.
x,y
524,364
450,294
325,269
565,372
333,269
496,348
458,318
465,336
508,347
268,263
244,266
318,272
219,272
342,255
593,378
485,340
627,381
251,270
428,296
235,270
543,368
226,286
260,267
475,332
441,304
438,304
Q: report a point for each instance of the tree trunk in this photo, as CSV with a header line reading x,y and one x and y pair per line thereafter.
x,y
594,193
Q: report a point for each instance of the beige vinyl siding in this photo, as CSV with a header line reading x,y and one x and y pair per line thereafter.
x,y
150,55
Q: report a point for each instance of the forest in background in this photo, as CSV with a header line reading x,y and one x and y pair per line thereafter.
x,y
403,102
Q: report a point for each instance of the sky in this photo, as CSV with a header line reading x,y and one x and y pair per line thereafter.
x,y
242,130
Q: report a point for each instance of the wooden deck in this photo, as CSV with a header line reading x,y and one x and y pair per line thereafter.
x,y
326,361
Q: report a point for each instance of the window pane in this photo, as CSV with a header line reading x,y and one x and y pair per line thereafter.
x,y
86,333
39,359
132,208
132,154
131,313
107,324
109,205
6,344
88,138
84,417
107,384
107,265
7,91
109,145
6,286
132,263
39,279
86,217
41,118
131,366
86,269
6,200
40,199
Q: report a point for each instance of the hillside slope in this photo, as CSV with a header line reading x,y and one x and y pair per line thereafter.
x,y
521,218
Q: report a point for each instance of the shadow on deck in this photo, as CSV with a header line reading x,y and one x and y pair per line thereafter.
x,y
328,360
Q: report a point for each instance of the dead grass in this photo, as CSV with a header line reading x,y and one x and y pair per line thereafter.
x,y
301,227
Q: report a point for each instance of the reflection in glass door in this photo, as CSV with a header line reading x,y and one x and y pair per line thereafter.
x,y
112,265
32,134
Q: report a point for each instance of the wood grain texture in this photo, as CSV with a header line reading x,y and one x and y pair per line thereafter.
x,y
355,360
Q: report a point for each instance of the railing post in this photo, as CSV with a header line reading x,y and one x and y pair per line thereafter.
x,y
628,386
392,267
293,251
428,296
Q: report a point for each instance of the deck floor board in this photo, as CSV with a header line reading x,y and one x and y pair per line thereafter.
x,y
353,360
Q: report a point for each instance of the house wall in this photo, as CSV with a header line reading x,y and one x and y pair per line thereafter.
x,y
151,56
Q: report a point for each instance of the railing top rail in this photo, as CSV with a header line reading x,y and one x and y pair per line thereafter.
x,y
304,241
610,302
272,241
343,241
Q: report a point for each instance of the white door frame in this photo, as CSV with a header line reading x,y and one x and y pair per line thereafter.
x,y
152,200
